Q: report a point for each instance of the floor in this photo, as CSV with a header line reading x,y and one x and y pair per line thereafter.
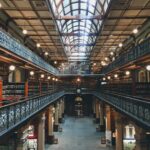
x,y
78,134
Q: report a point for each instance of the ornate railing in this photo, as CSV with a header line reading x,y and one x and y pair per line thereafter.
x,y
133,54
139,88
137,108
16,113
15,47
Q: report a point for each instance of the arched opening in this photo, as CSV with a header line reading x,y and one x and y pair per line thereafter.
x,y
129,141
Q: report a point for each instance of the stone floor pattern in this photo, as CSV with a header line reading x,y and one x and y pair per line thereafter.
x,y
78,134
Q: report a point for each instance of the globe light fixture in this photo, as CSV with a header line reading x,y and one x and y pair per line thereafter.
x,y
24,31
12,67
148,67
31,73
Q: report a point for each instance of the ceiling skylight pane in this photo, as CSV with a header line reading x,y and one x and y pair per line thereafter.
x,y
75,6
80,42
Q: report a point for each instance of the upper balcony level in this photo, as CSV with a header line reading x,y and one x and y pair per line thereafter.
x,y
133,55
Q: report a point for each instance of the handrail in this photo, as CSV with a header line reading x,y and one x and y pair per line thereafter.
x,y
14,46
131,106
134,53
16,113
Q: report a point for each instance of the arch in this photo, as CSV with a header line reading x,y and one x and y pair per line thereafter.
x,y
142,76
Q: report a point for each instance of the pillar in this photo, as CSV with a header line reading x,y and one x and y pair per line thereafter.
x,y
56,119
102,124
50,137
108,126
41,132
63,107
60,112
142,140
97,112
119,131
94,109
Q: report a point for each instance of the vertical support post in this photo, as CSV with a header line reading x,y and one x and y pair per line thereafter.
x,y
26,89
119,131
133,83
56,122
102,125
1,92
60,112
63,107
41,133
40,87
94,109
97,112
108,126
50,138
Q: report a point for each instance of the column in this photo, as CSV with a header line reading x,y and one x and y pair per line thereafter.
x,y
50,137
41,132
97,112
108,126
142,140
119,131
60,112
56,119
63,108
102,124
94,109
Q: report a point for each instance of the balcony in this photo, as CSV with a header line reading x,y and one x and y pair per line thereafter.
x,y
16,113
139,51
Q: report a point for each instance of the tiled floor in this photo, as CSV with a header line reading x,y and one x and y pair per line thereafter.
x,y
78,134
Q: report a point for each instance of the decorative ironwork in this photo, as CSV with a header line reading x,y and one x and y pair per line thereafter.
x,y
14,46
131,55
134,107
14,114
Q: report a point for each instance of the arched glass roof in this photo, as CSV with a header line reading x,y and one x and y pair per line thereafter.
x,y
79,23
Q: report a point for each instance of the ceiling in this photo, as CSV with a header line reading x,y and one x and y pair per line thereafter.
x,y
78,30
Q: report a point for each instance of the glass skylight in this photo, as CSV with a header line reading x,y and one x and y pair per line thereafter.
x,y
79,22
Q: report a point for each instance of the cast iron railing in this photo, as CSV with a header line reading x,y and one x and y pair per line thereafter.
x,y
12,45
133,54
137,108
139,88
16,113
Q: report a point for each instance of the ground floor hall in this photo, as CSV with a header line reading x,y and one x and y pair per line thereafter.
x,y
78,134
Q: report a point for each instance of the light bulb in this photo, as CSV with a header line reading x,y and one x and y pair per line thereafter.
x,y
94,64
116,75
120,44
135,31
127,73
78,79
55,62
111,53
46,53
24,31
48,77
42,75
148,67
108,77
12,67
38,45
106,58
104,79
31,73
0,5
